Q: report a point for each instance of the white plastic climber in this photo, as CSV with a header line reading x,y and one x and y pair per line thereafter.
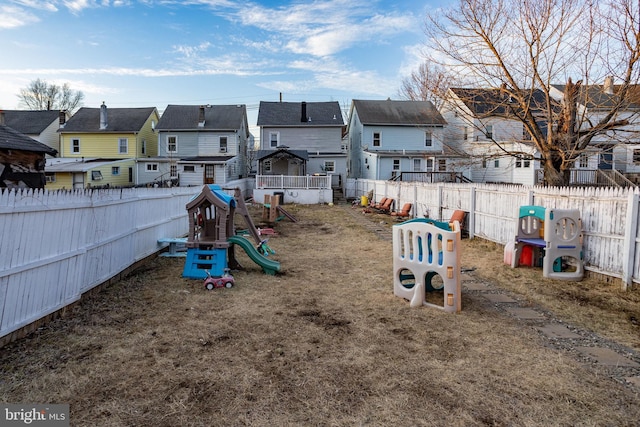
x,y
422,250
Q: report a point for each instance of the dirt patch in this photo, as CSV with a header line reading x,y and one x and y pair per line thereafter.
x,y
324,343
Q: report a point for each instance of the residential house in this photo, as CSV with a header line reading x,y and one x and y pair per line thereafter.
x,y
387,138
204,144
617,150
22,159
301,138
483,126
102,147
41,125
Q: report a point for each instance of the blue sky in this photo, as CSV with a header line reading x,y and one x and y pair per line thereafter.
x,y
141,53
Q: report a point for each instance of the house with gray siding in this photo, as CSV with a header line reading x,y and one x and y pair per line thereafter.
x,y
204,144
301,138
387,137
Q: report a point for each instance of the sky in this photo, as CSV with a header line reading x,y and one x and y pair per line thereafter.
x,y
152,53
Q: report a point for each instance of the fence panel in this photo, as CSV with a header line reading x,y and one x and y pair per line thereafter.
x,y
57,245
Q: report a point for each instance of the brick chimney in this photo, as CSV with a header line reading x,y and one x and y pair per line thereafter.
x,y
62,118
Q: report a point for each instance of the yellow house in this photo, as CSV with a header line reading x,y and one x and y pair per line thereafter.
x,y
102,147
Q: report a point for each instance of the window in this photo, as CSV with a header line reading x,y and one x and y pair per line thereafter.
x,y
396,164
152,167
189,168
466,133
115,170
489,132
273,139
442,165
173,170
172,144
75,145
50,177
636,157
526,136
417,163
329,166
96,175
584,159
496,163
484,163
223,144
377,139
427,138
266,166
430,165
143,147
123,146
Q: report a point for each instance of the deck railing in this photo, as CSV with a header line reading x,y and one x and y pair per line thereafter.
x,y
293,182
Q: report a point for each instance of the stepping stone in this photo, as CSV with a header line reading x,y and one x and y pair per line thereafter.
x,y
557,331
525,313
499,298
475,286
607,357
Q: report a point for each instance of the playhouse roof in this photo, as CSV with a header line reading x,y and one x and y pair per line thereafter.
x,y
213,194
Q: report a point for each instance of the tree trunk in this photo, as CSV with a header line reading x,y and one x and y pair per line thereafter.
x,y
554,174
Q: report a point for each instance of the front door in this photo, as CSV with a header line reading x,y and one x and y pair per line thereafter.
x,y
78,180
209,174
605,159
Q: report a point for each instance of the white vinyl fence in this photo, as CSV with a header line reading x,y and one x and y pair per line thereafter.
x,y
54,246
609,215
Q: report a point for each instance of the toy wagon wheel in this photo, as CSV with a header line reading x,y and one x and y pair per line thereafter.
x,y
228,285
209,285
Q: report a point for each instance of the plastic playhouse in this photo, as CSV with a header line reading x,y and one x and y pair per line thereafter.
x,y
548,238
211,240
422,250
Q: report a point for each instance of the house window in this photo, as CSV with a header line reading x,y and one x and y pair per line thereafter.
x,y
172,144
189,168
442,165
123,146
115,170
417,163
525,134
527,163
75,145
484,163
583,160
396,164
273,139
489,132
223,144
96,175
466,133
173,170
329,166
430,165
377,139
50,177
152,167
143,147
496,163
636,157
428,142
266,166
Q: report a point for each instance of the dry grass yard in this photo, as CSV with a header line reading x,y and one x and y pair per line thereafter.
x,y
326,343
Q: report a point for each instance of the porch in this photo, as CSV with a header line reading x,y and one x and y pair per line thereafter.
x,y
306,189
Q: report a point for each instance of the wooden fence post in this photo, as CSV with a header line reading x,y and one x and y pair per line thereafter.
x,y
630,241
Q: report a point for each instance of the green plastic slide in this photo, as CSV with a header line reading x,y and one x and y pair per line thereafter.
x,y
270,267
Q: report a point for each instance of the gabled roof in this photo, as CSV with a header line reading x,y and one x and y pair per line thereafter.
x,y
595,96
122,120
11,139
216,118
307,114
282,153
495,102
30,122
397,113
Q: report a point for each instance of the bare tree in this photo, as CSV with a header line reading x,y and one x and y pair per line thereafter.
x,y
428,83
40,95
520,46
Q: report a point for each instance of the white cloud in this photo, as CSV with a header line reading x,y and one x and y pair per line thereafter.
x,y
13,17
38,4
